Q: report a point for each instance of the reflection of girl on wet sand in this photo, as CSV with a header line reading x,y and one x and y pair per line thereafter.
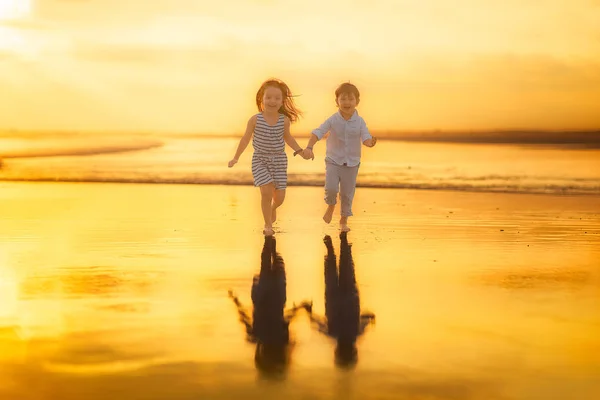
x,y
269,325
343,319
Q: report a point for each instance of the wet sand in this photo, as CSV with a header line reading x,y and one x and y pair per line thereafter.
x,y
120,291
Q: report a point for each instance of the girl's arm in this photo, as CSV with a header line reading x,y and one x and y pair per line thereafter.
x,y
291,313
244,141
288,138
243,314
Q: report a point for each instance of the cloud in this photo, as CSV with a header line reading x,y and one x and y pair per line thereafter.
x,y
380,27
419,65
146,54
25,24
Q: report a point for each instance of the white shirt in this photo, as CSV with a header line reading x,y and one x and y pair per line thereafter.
x,y
346,138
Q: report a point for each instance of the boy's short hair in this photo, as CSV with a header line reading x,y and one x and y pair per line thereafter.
x,y
347,88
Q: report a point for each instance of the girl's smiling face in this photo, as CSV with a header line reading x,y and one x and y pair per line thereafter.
x,y
272,99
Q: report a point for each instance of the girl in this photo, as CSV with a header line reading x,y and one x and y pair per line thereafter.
x,y
270,130
269,325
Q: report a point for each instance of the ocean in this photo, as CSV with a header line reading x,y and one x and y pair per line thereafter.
x,y
196,159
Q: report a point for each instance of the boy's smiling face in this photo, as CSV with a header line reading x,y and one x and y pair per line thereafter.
x,y
347,103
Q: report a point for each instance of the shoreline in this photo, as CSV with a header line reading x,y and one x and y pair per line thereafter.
x,y
248,183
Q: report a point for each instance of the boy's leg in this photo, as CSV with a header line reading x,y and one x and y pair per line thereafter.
x,y
255,290
347,188
332,183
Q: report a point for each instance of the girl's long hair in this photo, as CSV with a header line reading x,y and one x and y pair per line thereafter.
x,y
288,108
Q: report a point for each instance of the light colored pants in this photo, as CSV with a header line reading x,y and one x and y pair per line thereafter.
x,y
342,179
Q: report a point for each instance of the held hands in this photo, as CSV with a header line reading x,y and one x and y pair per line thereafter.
x,y
305,153
232,163
308,154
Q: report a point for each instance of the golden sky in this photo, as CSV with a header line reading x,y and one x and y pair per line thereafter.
x,y
195,65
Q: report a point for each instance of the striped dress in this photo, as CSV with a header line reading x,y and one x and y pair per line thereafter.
x,y
269,161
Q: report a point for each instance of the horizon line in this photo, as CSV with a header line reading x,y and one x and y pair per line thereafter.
x,y
13,131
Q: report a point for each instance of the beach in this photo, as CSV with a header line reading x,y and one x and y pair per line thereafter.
x,y
120,291
133,258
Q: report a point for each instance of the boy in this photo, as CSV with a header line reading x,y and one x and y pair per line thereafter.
x,y
347,131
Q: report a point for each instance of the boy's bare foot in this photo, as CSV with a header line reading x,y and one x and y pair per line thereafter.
x,y
268,231
329,213
344,224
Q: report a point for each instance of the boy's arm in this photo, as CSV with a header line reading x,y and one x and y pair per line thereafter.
x,y
288,138
320,322
365,135
315,136
244,141
365,320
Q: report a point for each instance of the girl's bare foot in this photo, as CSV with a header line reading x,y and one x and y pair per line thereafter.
x,y
329,213
268,231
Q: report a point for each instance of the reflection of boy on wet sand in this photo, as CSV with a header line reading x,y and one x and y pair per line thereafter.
x,y
269,325
343,319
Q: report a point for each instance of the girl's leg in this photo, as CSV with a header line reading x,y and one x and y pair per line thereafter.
x,y
332,183
280,163
266,197
278,197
